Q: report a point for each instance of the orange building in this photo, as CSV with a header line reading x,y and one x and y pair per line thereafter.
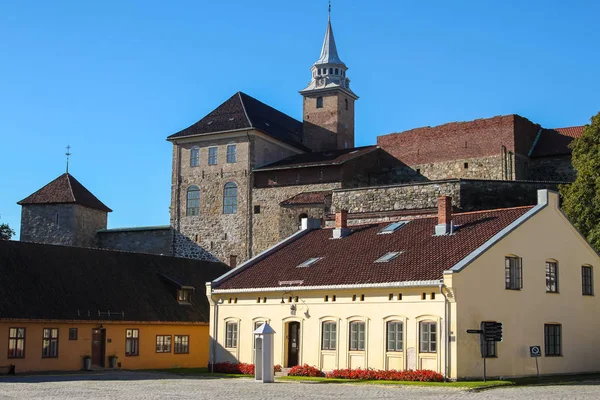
x,y
123,310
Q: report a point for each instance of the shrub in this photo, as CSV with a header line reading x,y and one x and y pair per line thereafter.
x,y
238,368
305,370
422,375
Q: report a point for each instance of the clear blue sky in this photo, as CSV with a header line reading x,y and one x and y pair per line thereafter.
x,y
114,78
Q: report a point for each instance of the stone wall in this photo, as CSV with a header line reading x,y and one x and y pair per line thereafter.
x,y
490,167
274,223
152,240
557,168
61,224
483,195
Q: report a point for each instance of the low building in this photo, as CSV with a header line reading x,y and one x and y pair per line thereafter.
x,y
63,303
402,295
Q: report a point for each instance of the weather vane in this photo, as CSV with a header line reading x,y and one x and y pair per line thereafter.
x,y
68,153
329,6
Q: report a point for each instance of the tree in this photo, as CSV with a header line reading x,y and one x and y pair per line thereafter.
x,y
581,199
6,232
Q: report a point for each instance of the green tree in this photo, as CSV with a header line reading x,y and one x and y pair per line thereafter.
x,y
581,199
6,232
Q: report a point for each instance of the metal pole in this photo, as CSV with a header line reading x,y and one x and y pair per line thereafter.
x,y
537,367
484,372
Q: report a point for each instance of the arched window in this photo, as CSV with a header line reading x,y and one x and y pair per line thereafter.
x,y
194,156
230,198
193,201
319,102
346,101
428,337
331,70
336,71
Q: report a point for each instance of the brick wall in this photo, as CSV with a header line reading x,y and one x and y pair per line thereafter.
x,y
331,126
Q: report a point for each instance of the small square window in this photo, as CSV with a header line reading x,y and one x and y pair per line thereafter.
x,y
432,296
423,296
391,296
183,295
362,297
466,165
72,333
354,297
256,209
399,296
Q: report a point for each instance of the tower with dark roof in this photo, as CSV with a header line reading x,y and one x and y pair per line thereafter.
x,y
63,212
328,105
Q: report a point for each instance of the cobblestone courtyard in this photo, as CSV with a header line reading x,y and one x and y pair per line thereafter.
x,y
135,385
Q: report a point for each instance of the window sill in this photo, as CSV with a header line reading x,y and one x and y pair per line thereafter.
x,y
516,290
549,292
131,355
553,355
183,354
49,357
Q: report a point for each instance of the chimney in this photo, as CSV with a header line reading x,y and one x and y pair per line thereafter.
x,y
443,226
341,224
232,261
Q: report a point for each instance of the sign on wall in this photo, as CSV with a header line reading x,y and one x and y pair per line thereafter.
x,y
535,351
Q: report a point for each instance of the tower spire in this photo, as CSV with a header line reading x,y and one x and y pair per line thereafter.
x,y
329,12
68,153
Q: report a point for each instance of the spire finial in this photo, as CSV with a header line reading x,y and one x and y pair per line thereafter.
x,y
68,153
329,11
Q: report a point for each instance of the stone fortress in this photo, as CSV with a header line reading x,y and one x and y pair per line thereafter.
x,y
245,175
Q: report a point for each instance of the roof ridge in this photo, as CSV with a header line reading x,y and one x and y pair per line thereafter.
x,y
71,186
244,107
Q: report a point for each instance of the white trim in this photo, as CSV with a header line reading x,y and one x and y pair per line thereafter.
x,y
386,356
542,203
403,284
365,352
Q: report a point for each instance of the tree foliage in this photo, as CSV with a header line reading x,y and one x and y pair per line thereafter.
x,y
581,199
6,232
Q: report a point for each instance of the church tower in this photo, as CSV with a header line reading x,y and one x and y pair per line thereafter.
x,y
328,106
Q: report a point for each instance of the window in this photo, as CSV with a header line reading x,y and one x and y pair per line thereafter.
x,y
331,70
552,339
551,277
513,273
56,219
72,333
428,342
212,156
329,335
336,71
193,201
319,71
194,157
256,209
16,342
346,102
387,257
50,343
231,153
230,198
182,344
132,342
232,334
357,336
394,336
393,227
309,262
183,295
466,165
319,102
586,281
163,343
489,348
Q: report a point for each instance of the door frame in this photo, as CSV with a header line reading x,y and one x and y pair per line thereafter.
x,y
102,346
287,345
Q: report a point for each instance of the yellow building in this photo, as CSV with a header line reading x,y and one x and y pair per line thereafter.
x,y
401,295
120,310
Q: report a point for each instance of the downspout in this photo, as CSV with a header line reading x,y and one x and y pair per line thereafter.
x,y
250,219
213,350
446,330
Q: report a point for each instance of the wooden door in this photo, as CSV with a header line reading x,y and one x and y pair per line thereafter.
x,y
293,343
98,347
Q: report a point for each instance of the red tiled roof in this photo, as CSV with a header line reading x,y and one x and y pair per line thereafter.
x,y
319,197
328,157
555,142
65,190
350,260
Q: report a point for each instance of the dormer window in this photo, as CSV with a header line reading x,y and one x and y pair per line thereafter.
x,y
184,295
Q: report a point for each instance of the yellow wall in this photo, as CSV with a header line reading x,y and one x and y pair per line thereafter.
x,y
375,311
70,352
480,295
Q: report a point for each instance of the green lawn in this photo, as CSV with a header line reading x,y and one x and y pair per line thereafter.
x,y
460,384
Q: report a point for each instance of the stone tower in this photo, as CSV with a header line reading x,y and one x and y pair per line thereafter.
x,y
328,106
63,212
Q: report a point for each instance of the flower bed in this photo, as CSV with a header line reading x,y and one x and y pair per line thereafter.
x,y
422,375
305,370
237,368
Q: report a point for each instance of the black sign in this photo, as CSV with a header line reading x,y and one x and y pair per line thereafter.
x,y
492,331
535,351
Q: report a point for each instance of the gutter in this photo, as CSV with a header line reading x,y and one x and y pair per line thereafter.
x,y
446,331
403,284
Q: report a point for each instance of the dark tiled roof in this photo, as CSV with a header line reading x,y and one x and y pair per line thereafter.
x,y
241,111
65,190
54,282
350,260
555,142
329,157
319,197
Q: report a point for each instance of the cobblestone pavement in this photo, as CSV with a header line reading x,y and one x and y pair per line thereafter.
x,y
146,386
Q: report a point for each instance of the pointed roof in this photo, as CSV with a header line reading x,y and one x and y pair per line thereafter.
x,y
240,112
65,190
329,54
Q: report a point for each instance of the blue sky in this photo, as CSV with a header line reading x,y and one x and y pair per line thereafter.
x,y
114,78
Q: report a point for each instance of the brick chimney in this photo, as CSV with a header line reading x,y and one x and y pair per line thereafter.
x,y
341,224
444,224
